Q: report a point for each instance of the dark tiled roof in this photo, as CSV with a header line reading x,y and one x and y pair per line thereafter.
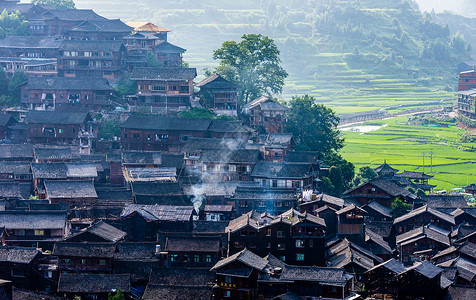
x,y
166,47
10,190
105,25
141,157
260,193
14,167
414,175
100,250
209,227
172,161
164,74
445,201
460,293
53,153
5,119
265,104
382,228
18,254
392,264
182,277
245,257
32,220
218,208
344,253
421,232
93,283
73,14
192,244
160,292
198,144
387,186
159,212
215,81
326,199
276,140
152,188
70,189
426,269
166,123
383,210
100,46
226,189
425,209
385,168
304,273
228,127
135,251
230,156
105,231
350,208
68,83
377,239
57,117
16,151
281,170
31,41
49,171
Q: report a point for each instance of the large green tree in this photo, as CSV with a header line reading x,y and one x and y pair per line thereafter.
x,y
313,125
13,24
253,64
61,4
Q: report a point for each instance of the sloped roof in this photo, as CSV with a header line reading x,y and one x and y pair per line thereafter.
x,y
106,25
228,127
350,208
141,157
425,209
57,117
326,199
30,41
383,210
321,274
131,251
166,123
387,186
159,212
146,26
18,254
215,81
53,153
385,168
73,14
176,73
230,156
152,188
14,167
249,219
392,264
445,201
99,250
32,220
93,283
377,239
421,232
279,140
10,190
5,119
246,257
414,175
192,244
426,269
166,47
73,45
70,189
268,169
265,103
345,252
68,83
16,151
104,231
460,293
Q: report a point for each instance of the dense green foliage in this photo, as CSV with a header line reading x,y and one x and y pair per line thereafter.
x,y
108,130
119,295
253,64
13,24
10,88
313,125
399,208
365,174
61,4
125,87
203,113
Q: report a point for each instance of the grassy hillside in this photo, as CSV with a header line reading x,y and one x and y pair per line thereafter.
x,y
403,145
353,55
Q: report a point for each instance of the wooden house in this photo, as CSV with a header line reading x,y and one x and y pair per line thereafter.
x,y
16,152
265,115
421,242
380,190
150,28
93,258
52,154
76,193
39,47
321,200
351,223
284,175
422,280
88,59
277,146
60,128
67,94
163,89
18,265
467,80
264,199
228,164
6,120
219,94
169,55
382,279
99,232
467,101
423,216
192,252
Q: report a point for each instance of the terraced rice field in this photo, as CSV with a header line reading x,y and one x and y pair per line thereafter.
x,y
402,146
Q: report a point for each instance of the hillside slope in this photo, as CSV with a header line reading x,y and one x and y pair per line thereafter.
x,y
353,55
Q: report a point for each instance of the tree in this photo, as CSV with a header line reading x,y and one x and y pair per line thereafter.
x,y
118,296
346,167
108,130
420,193
198,113
3,82
367,173
327,186
253,64
152,61
399,208
61,4
13,24
335,176
314,126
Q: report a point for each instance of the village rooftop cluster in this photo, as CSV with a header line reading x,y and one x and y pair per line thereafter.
x,y
183,208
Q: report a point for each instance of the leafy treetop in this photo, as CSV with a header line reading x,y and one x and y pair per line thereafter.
x,y
253,64
12,24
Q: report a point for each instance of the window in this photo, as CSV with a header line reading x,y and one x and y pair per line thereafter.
x,y
196,258
21,232
281,246
280,234
158,88
299,257
282,258
228,279
299,244
268,232
136,135
227,294
262,204
174,257
311,243
101,262
243,203
186,258
39,232
83,261
278,204
48,274
18,273
172,87
268,245
232,168
60,131
66,260
72,130
208,258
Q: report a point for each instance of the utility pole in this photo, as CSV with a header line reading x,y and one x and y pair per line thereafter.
x,y
431,162
424,162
